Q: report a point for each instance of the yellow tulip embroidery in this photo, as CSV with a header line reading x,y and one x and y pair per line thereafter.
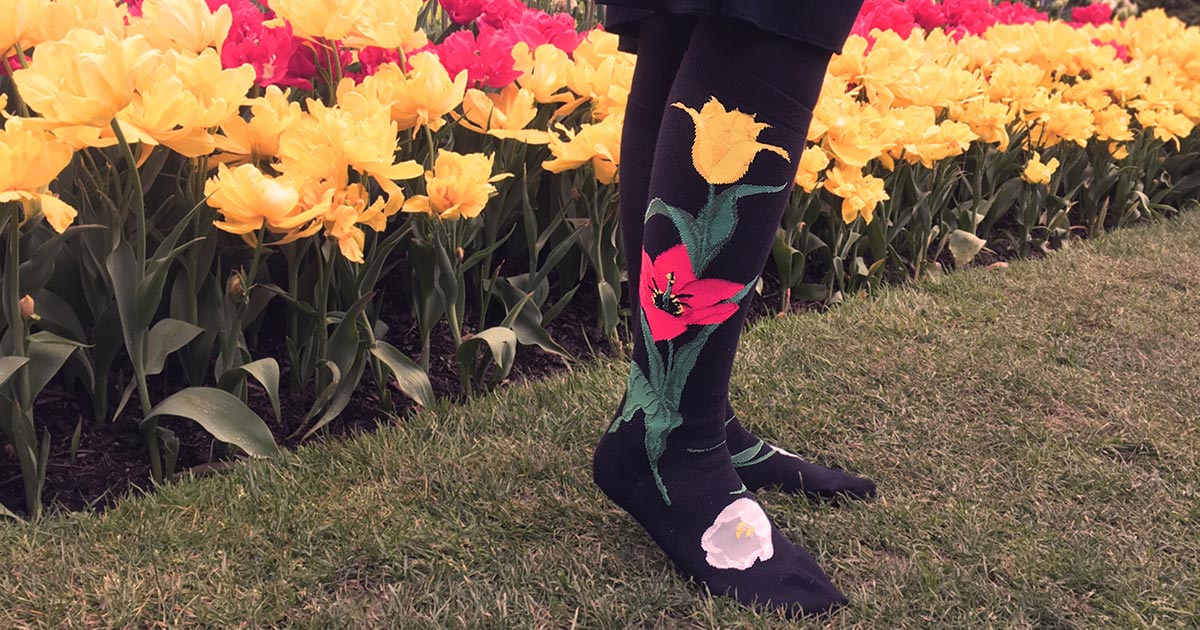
x,y
726,142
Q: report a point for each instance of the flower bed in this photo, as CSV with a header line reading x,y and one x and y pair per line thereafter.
x,y
205,201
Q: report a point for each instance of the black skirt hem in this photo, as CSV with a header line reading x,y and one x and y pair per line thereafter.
x,y
809,22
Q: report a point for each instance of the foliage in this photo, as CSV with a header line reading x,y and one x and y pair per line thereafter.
x,y
217,173
1029,430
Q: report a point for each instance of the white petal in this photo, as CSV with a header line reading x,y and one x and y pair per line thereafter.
x,y
739,536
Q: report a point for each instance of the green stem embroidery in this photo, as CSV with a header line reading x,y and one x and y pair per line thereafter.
x,y
750,456
658,394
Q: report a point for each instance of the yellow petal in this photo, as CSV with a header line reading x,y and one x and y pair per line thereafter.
x,y
58,213
418,203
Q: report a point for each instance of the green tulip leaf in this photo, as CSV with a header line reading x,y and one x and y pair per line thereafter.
x,y
9,366
411,379
265,371
222,415
167,336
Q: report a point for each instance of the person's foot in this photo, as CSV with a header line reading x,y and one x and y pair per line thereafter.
x,y
764,466
712,528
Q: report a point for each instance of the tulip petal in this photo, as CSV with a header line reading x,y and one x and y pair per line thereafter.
x,y
708,291
60,214
663,325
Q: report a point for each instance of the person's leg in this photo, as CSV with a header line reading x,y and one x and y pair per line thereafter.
x,y
723,167
662,42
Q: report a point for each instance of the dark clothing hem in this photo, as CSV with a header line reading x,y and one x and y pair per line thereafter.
x,y
822,24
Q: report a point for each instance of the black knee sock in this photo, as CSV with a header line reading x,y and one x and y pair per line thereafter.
x,y
762,465
723,167
665,39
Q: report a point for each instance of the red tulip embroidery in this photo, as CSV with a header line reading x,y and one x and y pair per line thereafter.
x,y
673,298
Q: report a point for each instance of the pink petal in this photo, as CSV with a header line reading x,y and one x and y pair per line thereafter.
x,y
707,292
663,325
674,260
645,294
709,315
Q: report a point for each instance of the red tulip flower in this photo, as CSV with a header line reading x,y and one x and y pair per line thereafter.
x,y
673,298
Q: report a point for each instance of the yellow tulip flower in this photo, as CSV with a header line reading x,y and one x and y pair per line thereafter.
x,y
860,193
812,162
1112,123
600,72
1011,81
544,71
503,115
314,19
98,15
84,78
1051,120
1166,124
356,134
250,140
391,25
939,142
186,25
458,187
852,132
891,65
248,200
31,22
848,65
988,120
29,161
1037,172
598,143
422,97
726,142
183,97
343,210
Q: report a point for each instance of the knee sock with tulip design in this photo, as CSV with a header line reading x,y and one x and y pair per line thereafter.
x,y
708,229
760,465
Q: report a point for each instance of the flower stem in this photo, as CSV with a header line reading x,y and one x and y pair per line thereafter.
x,y
431,158
22,431
139,205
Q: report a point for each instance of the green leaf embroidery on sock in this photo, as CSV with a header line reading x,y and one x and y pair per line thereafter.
x,y
659,393
741,458
707,233
709,449
750,456
740,490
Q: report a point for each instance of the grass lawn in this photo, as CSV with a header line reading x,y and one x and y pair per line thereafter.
x,y
1034,433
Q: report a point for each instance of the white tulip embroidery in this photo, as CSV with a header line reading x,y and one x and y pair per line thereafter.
x,y
739,537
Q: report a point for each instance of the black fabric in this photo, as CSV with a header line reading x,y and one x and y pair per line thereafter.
x,y
762,466
664,458
821,23
666,40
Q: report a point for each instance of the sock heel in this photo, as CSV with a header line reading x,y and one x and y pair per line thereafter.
x,y
612,474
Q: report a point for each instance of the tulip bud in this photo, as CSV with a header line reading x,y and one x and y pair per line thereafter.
x,y
26,306
235,288
461,254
